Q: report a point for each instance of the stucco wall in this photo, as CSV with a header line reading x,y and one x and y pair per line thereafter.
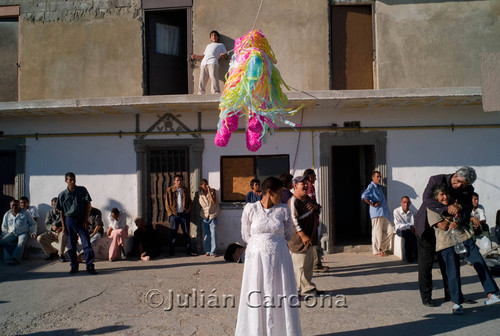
x,y
80,49
421,43
107,165
297,33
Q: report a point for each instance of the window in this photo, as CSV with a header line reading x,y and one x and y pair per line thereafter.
x,y
167,39
238,171
9,54
351,47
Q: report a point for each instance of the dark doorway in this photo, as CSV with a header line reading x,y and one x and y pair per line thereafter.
x,y
9,28
7,179
167,52
164,164
352,167
351,47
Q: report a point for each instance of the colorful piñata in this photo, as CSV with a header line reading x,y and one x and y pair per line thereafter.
x,y
252,89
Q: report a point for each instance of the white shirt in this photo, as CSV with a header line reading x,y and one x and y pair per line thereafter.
x,y
121,223
479,213
180,206
212,53
33,211
403,220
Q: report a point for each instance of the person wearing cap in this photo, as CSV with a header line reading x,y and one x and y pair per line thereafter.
x,y
382,229
304,237
460,190
310,175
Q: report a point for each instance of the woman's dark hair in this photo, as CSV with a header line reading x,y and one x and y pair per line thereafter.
x,y
286,179
439,188
308,172
271,183
115,211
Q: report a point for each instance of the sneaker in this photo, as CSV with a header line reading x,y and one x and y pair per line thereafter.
x,y
492,300
428,303
51,256
12,262
91,269
457,309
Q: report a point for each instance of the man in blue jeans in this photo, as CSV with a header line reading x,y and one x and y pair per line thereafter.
x,y
74,205
17,227
209,211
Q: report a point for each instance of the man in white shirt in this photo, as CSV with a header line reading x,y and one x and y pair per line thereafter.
x,y
478,226
210,63
404,223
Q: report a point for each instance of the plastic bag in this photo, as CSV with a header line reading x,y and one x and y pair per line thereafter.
x,y
485,245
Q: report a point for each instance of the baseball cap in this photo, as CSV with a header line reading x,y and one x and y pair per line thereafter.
x,y
298,179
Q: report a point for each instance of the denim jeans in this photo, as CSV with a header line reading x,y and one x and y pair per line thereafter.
x,y
14,245
182,220
452,261
209,235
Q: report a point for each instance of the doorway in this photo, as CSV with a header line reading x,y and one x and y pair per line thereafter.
x,y
7,179
167,49
351,170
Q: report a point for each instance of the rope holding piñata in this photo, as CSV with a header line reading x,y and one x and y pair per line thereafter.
x,y
252,89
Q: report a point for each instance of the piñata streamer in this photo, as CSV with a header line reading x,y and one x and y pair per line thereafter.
x,y
252,89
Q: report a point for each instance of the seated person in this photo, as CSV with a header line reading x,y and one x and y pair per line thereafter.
x,y
54,234
24,203
478,226
255,194
497,227
449,231
17,226
405,228
235,253
96,229
145,240
118,232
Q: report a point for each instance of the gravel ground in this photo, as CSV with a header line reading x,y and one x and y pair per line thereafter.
x,y
371,296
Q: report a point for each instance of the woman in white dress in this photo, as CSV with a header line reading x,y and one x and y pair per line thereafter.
x,y
269,303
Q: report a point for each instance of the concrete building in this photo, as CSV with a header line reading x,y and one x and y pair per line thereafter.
x,y
105,89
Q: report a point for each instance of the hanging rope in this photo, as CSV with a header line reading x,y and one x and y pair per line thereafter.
x,y
258,13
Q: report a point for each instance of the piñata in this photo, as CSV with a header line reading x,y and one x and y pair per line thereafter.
x,y
252,89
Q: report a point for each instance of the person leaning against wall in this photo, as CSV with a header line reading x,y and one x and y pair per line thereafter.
x,y
209,211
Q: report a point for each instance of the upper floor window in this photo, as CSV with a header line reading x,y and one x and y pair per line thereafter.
x,y
351,47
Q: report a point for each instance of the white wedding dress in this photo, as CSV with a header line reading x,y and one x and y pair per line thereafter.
x,y
268,301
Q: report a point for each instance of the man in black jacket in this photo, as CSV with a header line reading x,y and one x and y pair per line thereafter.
x,y
460,188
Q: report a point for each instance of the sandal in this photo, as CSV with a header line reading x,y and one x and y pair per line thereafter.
x,y
457,309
